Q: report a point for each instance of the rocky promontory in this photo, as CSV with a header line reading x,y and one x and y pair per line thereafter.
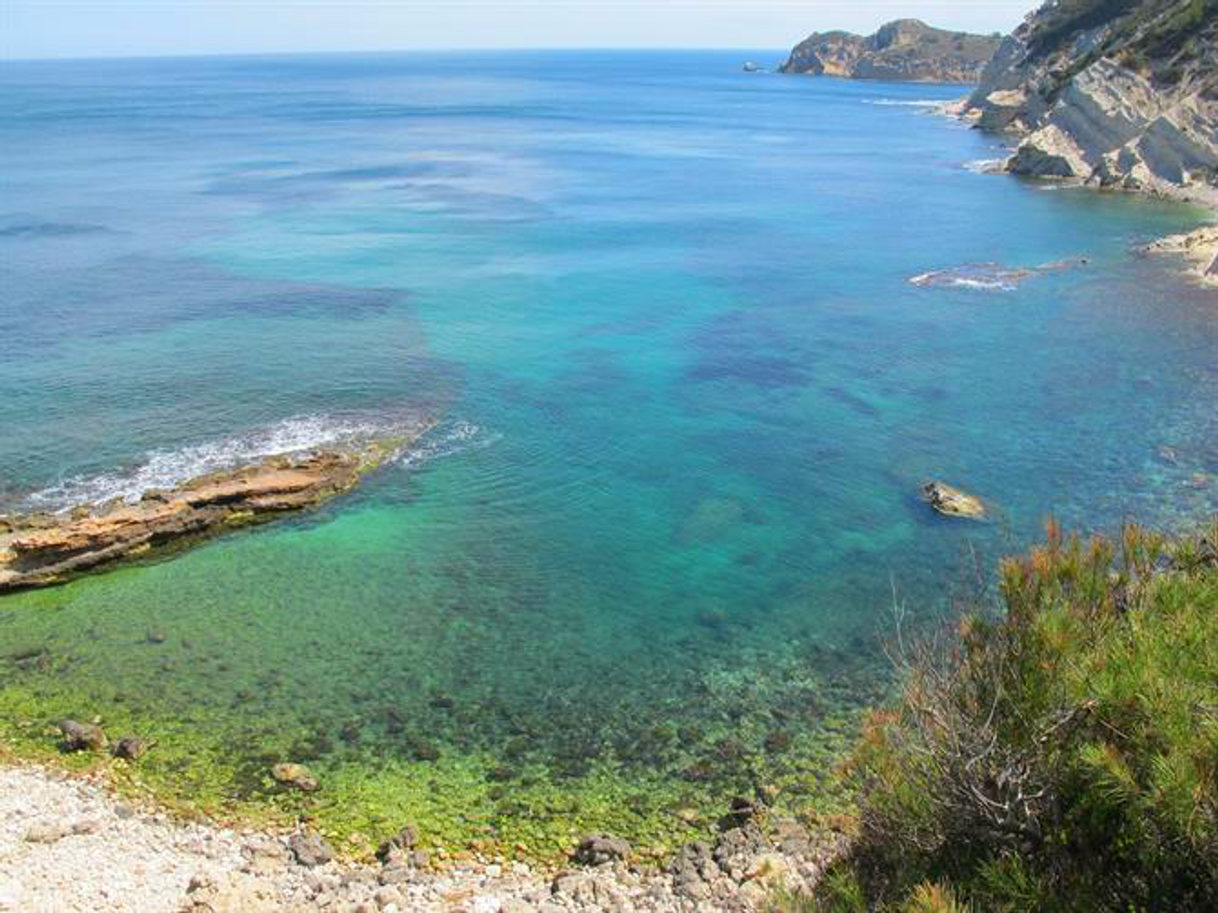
x,y
906,50
45,549
1121,95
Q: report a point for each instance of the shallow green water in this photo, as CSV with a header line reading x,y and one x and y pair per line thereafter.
x,y
686,396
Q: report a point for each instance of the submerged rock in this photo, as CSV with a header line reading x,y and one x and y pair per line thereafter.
x,y
989,277
296,775
82,736
131,748
951,502
40,550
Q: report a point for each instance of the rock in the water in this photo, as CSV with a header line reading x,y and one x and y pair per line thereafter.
x,y
131,748
1198,248
310,849
296,775
951,502
598,849
39,550
82,736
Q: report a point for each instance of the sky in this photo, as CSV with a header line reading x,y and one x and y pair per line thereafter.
x,y
135,28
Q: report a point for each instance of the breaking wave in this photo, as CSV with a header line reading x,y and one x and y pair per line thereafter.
x,y
985,166
448,438
901,103
990,277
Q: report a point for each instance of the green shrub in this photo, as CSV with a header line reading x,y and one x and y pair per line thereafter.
x,y
1060,753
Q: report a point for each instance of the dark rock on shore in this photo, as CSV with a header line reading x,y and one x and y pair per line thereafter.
x,y
598,849
40,550
905,50
398,847
310,849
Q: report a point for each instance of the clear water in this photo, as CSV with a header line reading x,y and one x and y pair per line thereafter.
x,y
686,396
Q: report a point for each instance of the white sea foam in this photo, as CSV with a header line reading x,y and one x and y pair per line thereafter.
x,y
985,166
448,438
983,278
169,468
901,103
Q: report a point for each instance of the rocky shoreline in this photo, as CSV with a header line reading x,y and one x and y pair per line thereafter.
x,y
1127,100
70,845
38,550
1198,248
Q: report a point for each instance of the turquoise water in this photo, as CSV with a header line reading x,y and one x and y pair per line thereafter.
x,y
686,395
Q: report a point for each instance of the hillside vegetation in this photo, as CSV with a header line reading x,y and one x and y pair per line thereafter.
x,y
1060,754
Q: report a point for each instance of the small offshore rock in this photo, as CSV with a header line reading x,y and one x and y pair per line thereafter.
x,y
599,849
952,502
296,775
310,849
82,736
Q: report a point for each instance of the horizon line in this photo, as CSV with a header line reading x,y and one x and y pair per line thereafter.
x,y
524,49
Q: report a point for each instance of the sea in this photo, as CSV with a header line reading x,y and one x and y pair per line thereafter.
x,y
689,341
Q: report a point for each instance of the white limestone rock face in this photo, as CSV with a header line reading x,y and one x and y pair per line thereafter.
x,y
1114,104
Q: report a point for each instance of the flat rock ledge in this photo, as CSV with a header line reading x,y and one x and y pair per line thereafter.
x,y
1199,248
39,550
69,846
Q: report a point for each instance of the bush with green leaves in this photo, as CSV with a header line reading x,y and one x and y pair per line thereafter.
x,y
1057,753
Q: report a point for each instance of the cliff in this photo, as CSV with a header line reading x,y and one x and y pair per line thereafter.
x,y
1114,93
906,50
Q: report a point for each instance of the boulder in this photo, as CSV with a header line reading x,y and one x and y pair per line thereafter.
x,y
952,502
598,849
82,736
296,775
131,748
398,847
310,849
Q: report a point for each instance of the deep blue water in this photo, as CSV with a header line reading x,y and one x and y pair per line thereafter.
x,y
686,392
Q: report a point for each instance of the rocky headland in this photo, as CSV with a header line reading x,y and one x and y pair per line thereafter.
x,y
1113,94
905,50
38,550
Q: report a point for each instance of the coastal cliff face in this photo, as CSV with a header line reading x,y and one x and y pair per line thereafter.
x,y
1114,93
906,50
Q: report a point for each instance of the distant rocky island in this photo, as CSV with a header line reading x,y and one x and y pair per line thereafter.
x,y
905,50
